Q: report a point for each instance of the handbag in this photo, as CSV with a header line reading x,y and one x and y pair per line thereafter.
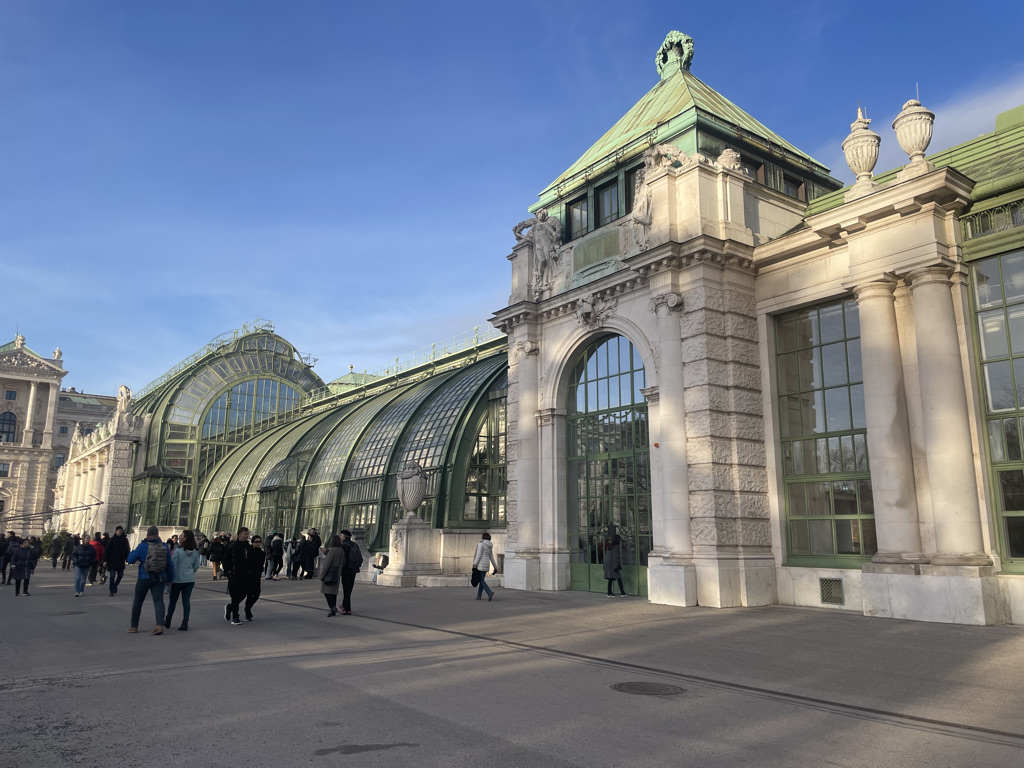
x,y
475,578
331,575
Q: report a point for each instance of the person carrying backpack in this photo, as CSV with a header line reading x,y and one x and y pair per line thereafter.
x,y
353,562
83,556
155,572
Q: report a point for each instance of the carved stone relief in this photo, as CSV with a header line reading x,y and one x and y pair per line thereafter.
x,y
545,233
592,312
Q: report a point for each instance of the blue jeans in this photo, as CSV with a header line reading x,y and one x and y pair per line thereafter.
x,y
142,588
483,585
114,578
185,590
81,574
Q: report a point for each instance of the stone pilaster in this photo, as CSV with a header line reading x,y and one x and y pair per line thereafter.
x,y
29,432
51,411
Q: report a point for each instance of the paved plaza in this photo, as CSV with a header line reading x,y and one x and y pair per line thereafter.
x,y
432,677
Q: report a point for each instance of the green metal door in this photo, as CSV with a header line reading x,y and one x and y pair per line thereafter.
x,y
608,456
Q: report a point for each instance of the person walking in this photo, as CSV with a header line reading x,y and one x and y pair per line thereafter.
x,y
310,553
257,562
482,560
353,562
203,545
613,561
23,562
56,545
156,571
97,544
276,555
7,548
186,562
236,568
116,556
216,554
331,568
292,552
83,557
66,551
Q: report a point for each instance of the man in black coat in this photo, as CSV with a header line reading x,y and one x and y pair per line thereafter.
x,y
237,565
348,574
6,551
56,545
115,553
65,553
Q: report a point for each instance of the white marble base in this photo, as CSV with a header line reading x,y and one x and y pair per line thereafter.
x,y
554,570
671,583
1012,588
801,586
522,570
493,580
414,552
940,593
731,582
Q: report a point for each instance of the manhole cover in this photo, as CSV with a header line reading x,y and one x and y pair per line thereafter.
x,y
648,689
66,613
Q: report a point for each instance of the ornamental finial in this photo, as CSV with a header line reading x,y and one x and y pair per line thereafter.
x,y
675,54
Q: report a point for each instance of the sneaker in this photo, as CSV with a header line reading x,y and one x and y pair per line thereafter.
x,y
157,631
227,612
133,630
623,595
347,613
490,596
609,595
77,594
183,628
248,618
25,594
236,622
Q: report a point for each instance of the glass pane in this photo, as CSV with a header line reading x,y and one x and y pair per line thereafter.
x,y
810,457
849,459
797,503
831,319
789,416
813,412
869,542
810,369
1016,316
852,319
1012,432
788,470
835,456
844,497
822,451
1011,486
995,441
821,537
1013,276
999,386
817,499
789,374
860,447
785,333
801,541
860,419
837,406
853,355
847,537
1018,370
988,290
833,363
1015,536
992,329
807,328
867,501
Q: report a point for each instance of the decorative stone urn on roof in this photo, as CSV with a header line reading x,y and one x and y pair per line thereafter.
x,y
414,549
412,487
913,128
861,150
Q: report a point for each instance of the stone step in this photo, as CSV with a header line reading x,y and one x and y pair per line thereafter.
x,y
457,581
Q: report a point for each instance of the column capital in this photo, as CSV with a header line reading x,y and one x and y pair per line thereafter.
x,y
929,275
663,304
547,416
651,394
884,287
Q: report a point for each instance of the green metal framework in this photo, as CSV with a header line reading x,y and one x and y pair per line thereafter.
x,y
823,429
337,469
998,308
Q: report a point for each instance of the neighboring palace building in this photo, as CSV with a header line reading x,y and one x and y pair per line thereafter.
x,y
773,388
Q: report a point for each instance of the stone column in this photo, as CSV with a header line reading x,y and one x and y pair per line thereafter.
x,y
551,492
29,432
958,534
523,567
96,512
889,448
671,577
51,411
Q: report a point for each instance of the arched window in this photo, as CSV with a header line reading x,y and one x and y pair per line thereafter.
x,y
8,427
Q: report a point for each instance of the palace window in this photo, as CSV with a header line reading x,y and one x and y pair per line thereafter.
x,y
10,394
629,182
8,427
577,218
5,470
63,430
827,486
58,460
999,325
607,199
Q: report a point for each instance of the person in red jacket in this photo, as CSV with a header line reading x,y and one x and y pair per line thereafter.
x,y
97,544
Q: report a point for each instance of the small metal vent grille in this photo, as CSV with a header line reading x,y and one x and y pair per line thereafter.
x,y
832,592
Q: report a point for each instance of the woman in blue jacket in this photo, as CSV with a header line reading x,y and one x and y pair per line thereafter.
x,y
186,562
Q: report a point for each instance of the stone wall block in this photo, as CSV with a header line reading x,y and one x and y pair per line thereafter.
x,y
702,298
754,533
749,453
743,401
740,302
703,321
739,351
744,376
751,480
741,326
746,427
753,505
701,477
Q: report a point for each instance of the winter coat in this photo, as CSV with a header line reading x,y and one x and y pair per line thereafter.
x,y
348,545
83,556
335,558
98,546
277,548
116,553
186,563
306,553
23,560
613,559
69,546
138,555
56,546
484,557
216,553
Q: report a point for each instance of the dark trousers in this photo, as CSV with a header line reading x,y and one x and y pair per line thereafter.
x,y
115,579
348,580
332,602
4,562
622,589
183,589
92,572
252,594
65,562
278,565
17,586
237,589
145,587
54,558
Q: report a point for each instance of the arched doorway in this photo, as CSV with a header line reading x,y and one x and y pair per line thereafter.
x,y
608,464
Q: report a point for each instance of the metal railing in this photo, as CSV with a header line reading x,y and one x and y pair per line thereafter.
x,y
997,219
214,344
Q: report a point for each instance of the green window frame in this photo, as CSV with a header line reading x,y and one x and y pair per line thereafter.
x,y
606,200
578,223
827,499
998,311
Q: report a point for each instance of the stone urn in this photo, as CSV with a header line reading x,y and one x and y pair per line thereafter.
x,y
412,487
913,128
861,148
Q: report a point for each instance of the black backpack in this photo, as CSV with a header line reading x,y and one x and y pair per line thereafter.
x,y
353,557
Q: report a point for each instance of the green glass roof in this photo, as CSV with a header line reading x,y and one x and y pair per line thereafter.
x,y
669,108
12,344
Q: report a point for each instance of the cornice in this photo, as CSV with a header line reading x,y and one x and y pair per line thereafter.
x,y
704,249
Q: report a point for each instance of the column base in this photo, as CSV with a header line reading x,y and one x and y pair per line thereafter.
x,y
937,593
901,558
414,551
554,570
522,569
733,580
969,558
671,581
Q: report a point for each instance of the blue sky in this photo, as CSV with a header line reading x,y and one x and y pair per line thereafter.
x,y
353,171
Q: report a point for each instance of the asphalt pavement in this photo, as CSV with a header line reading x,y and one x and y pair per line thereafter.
x,y
433,677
